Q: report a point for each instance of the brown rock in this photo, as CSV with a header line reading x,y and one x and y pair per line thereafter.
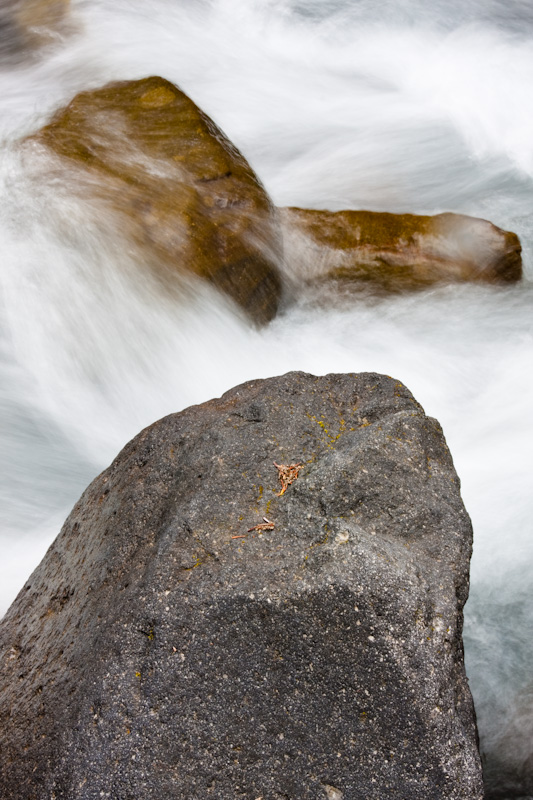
x,y
184,191
28,23
398,251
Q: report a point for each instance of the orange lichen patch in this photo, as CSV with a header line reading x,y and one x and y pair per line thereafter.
x,y
287,474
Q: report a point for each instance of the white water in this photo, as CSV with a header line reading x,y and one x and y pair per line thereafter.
x,y
398,106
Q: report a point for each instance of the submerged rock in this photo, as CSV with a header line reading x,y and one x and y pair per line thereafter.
x,y
398,251
175,643
191,202
25,24
184,192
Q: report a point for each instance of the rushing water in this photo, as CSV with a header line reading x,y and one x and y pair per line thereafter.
x,y
399,105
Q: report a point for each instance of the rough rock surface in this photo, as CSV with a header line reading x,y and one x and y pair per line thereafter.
x,y
184,192
398,251
154,655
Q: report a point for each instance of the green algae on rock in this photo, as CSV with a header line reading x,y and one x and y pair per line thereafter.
x,y
398,251
185,193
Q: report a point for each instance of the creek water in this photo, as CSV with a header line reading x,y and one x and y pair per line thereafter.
x,y
397,106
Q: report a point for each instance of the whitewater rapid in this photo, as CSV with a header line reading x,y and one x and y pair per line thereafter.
x,y
335,105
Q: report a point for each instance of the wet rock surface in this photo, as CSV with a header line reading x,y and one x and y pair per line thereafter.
x,y
192,204
154,655
398,251
185,194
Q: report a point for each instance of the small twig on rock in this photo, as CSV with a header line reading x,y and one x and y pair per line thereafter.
x,y
267,525
287,474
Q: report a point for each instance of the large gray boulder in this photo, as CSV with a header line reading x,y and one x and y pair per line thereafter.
x,y
154,655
